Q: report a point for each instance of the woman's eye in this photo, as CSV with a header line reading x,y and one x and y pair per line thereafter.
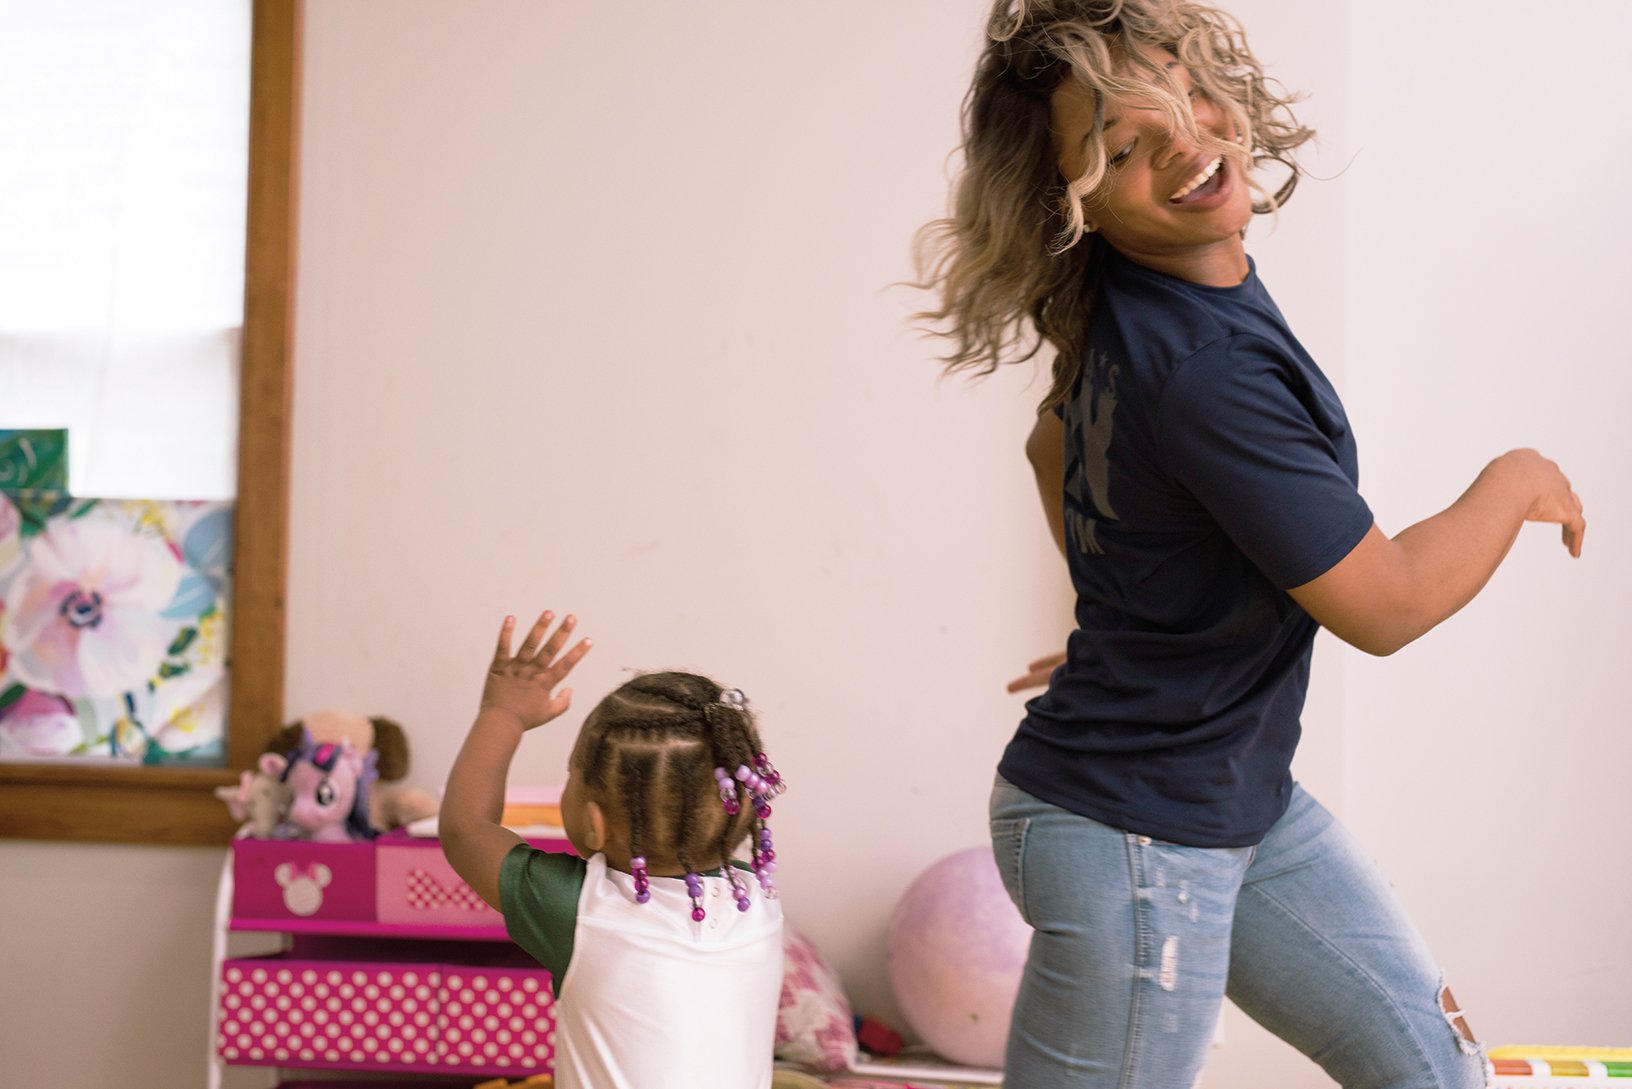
x,y
1122,156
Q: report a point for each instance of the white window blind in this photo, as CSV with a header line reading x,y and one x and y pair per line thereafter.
x,y
123,170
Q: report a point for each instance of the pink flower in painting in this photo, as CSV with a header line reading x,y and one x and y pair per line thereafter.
x,y
39,725
82,617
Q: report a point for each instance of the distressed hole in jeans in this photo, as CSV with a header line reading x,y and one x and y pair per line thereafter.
x,y
1455,1019
1168,975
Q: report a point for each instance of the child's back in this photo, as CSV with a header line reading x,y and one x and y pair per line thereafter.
x,y
649,997
666,958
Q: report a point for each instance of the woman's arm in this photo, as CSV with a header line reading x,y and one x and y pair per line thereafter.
x,y
519,694
1387,592
1045,449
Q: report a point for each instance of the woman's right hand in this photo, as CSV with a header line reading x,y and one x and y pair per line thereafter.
x,y
1555,501
1037,672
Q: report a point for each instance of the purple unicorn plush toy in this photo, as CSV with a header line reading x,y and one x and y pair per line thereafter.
x,y
329,783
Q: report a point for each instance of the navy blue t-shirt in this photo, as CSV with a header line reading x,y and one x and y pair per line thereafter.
x,y
1208,467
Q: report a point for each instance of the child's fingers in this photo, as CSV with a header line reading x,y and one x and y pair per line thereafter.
x,y
503,649
563,665
535,635
553,647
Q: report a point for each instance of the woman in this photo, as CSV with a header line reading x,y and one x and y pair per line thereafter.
x,y
1199,475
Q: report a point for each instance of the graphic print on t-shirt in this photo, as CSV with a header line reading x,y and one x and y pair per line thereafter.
x,y
1088,441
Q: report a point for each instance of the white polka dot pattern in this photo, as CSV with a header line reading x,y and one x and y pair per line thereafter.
x,y
385,1016
504,1018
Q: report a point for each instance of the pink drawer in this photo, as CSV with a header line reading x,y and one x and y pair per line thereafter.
x,y
339,1014
294,879
417,887
354,1015
497,1020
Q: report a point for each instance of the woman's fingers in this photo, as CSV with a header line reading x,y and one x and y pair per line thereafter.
x,y
1575,532
1038,671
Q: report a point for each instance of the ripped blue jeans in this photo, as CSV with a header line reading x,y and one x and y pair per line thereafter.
x,y
1136,942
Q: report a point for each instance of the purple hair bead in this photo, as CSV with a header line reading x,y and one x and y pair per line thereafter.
x,y
637,866
728,792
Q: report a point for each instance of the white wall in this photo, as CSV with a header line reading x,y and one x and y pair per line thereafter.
x,y
603,322
597,317
1486,765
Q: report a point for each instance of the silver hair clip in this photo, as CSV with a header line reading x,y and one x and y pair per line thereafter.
x,y
734,699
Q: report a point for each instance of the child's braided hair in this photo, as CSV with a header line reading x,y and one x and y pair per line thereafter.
x,y
684,755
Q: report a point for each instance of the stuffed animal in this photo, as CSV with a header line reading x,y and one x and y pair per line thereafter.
x,y
392,803
329,788
259,801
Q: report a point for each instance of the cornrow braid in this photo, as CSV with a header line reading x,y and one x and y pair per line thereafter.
x,y
666,744
635,772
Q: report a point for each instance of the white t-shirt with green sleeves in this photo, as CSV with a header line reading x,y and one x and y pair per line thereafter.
x,y
645,997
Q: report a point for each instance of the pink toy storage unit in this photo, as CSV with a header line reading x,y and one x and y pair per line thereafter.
x,y
390,963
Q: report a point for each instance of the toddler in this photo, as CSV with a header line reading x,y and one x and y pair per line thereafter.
x,y
666,956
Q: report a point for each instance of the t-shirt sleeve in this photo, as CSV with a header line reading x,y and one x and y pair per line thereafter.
x,y
538,891
1239,430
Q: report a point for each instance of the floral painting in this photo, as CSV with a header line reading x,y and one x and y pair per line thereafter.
x,y
113,628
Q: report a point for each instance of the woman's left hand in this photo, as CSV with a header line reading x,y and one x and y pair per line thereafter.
x,y
1037,673
523,684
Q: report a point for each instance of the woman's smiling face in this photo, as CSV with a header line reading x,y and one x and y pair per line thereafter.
x,y
1165,202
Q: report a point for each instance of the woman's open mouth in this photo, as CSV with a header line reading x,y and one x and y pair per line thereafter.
x,y
1202,184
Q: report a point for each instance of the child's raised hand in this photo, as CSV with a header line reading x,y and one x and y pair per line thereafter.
x,y
524,684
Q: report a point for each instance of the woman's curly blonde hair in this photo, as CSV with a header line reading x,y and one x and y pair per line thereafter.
x,y
1015,264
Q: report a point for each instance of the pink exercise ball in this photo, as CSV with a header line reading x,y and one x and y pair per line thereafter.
x,y
957,946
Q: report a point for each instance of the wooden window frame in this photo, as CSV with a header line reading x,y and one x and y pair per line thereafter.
x,y
178,805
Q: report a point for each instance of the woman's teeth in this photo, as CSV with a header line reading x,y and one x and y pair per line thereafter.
x,y
1201,177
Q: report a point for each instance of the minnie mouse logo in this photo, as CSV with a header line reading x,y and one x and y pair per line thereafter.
x,y
303,884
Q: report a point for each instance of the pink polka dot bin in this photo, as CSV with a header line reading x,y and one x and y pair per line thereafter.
x,y
353,1015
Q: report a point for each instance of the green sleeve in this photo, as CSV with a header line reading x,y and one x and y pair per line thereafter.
x,y
538,892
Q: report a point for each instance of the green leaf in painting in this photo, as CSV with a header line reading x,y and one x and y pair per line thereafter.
x,y
36,509
35,458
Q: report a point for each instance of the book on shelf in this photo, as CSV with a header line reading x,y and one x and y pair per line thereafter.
x,y
1534,1066
917,1068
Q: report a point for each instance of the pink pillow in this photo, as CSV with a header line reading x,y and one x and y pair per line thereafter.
x,y
813,1022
